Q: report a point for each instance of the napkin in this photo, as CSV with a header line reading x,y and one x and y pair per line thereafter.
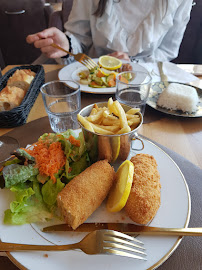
x,y
171,70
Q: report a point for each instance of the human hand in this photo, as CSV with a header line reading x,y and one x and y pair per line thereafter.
x,y
120,55
44,39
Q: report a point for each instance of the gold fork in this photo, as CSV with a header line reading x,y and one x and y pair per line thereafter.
x,y
80,57
96,242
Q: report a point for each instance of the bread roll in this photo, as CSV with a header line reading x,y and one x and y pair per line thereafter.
x,y
21,78
85,193
11,97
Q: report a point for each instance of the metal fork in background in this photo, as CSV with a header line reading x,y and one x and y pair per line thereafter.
x,y
80,57
96,242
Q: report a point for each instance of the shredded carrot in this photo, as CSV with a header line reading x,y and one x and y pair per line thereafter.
x,y
74,141
1,169
49,159
112,82
100,74
93,83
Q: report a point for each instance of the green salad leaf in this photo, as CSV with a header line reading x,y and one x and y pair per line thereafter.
x,y
78,166
50,191
23,153
27,207
15,173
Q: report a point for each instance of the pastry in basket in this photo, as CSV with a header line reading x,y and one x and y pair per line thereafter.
x,y
21,78
11,97
14,92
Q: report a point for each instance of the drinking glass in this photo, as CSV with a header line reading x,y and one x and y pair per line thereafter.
x,y
62,101
132,88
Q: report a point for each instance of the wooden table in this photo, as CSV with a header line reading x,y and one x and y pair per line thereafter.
x,y
182,135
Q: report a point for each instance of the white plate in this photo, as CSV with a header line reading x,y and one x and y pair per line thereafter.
x,y
174,212
70,72
157,88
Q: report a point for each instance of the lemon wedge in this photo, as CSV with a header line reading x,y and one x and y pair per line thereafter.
x,y
109,62
115,148
121,190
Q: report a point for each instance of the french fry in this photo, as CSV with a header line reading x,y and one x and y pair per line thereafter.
x,y
112,117
85,122
96,117
121,114
131,116
101,130
95,106
133,111
106,113
110,128
111,107
125,129
134,121
94,111
111,120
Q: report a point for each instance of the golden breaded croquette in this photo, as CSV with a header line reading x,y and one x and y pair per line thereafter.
x,y
145,196
85,193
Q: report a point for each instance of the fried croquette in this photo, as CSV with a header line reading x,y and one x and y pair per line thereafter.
x,y
145,196
85,193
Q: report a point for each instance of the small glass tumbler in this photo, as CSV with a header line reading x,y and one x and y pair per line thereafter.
x,y
62,101
132,88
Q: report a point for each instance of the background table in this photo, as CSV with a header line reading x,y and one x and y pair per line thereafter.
x,y
182,135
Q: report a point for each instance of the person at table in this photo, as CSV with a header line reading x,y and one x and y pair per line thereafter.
x,y
144,30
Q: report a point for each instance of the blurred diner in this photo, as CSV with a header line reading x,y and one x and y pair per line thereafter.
x,y
144,31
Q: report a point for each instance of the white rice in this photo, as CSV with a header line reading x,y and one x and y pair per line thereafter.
x,y
179,97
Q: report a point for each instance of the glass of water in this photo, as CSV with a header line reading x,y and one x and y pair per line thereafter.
x,y
132,88
62,100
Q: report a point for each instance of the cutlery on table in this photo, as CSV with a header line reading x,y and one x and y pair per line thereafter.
x,y
163,76
80,57
96,242
130,229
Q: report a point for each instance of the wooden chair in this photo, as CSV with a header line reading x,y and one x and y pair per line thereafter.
x,y
18,19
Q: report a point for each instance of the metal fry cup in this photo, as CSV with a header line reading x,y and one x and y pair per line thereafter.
x,y
114,148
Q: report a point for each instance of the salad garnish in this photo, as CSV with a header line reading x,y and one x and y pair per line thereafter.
x,y
37,174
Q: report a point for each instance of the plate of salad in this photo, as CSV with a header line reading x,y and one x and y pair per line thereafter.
x,y
101,80
33,179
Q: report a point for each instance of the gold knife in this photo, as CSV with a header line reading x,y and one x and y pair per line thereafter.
x,y
126,228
